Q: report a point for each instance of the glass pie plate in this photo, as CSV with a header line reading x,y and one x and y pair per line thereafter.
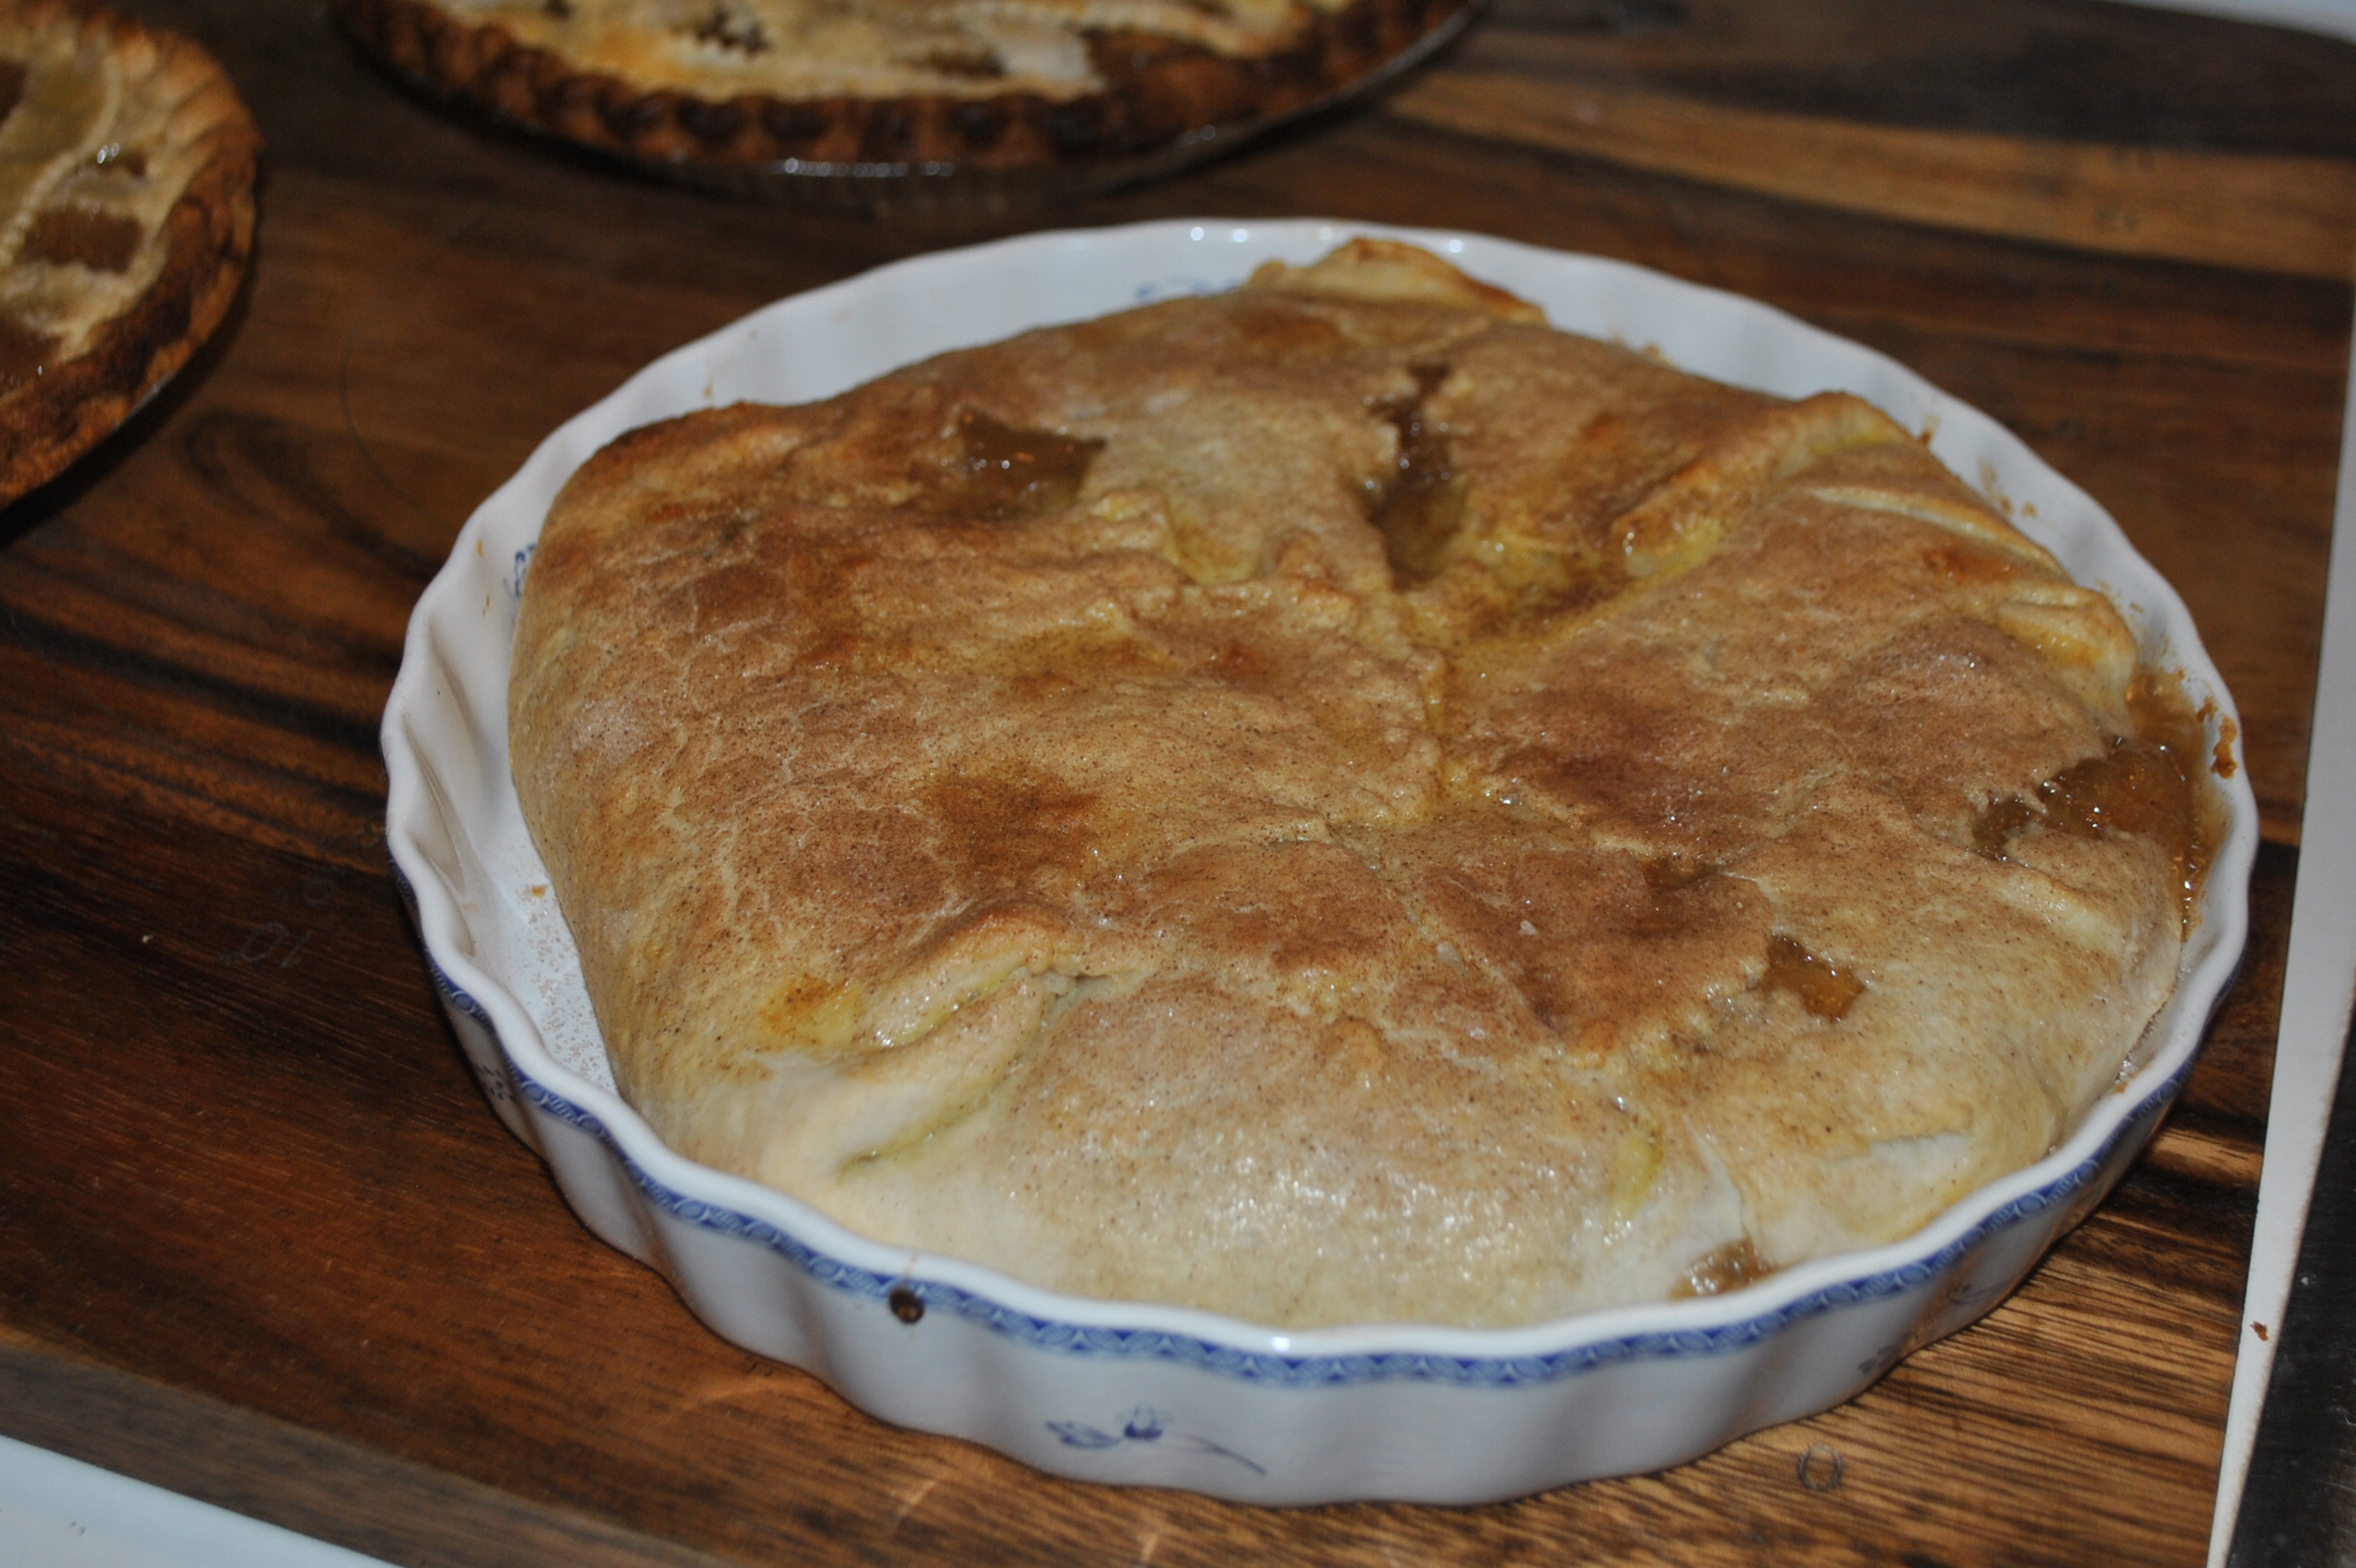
x,y
1132,1392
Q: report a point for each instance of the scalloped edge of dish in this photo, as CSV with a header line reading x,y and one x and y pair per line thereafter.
x,y
1138,1393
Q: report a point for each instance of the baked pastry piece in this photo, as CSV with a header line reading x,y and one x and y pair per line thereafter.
x,y
1337,803
936,86
126,217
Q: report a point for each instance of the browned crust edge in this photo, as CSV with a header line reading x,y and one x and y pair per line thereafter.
x,y
1162,91
46,424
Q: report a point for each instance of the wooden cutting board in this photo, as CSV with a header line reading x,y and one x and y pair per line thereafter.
x,y
261,1241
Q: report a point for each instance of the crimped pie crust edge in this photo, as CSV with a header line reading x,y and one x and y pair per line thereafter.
x,y
1164,94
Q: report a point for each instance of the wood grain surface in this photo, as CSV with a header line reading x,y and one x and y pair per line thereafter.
x,y
261,1241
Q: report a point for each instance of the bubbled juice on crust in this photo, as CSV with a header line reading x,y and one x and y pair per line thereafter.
x,y
1826,990
1001,472
2138,786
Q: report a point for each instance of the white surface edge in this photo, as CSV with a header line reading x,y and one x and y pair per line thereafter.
x,y
60,1513
2317,988
2336,17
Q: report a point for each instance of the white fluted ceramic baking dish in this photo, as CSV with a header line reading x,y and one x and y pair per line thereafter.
x,y
1133,1392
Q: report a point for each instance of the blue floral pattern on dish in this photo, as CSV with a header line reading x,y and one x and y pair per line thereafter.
x,y
514,580
1146,1425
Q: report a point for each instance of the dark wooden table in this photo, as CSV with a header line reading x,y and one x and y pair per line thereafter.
x,y
261,1242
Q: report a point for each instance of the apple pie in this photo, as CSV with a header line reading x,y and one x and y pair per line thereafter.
x,y
1043,87
126,181
1337,803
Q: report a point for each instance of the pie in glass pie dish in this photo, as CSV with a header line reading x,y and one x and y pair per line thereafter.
x,y
1147,1391
126,179
894,103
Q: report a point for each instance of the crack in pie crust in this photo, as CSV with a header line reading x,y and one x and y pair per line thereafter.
x,y
986,86
126,219
1338,804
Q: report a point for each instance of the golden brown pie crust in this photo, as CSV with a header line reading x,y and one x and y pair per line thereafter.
x,y
1159,92
1336,803
49,419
